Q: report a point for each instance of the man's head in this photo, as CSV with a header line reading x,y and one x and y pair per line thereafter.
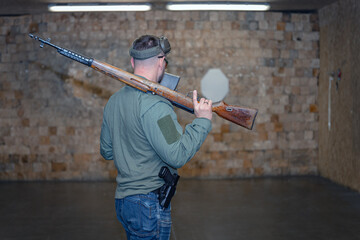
x,y
149,55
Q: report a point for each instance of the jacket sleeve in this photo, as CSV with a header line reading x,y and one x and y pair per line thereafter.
x,y
166,135
106,149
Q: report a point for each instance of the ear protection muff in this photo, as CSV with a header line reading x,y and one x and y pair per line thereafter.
x,y
163,46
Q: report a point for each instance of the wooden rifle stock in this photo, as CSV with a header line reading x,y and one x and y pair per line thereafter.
x,y
244,117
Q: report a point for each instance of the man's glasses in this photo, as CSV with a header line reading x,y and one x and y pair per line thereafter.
x,y
166,61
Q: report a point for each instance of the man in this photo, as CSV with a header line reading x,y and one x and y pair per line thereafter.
x,y
140,132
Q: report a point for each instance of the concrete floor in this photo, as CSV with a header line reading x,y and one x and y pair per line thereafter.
x,y
264,208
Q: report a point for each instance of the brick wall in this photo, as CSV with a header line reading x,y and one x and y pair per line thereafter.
x,y
51,107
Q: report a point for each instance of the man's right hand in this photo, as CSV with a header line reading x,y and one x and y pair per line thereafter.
x,y
202,109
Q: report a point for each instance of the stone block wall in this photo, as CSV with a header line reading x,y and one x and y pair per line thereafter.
x,y
51,107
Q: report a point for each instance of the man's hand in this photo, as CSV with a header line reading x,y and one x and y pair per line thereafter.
x,y
202,109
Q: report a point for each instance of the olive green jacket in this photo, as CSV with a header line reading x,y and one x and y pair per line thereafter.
x,y
140,132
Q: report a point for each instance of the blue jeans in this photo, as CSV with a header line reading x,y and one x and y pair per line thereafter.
x,y
143,218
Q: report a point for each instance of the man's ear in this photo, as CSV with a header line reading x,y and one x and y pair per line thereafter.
x,y
132,63
160,63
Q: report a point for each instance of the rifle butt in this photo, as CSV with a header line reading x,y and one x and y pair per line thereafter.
x,y
244,117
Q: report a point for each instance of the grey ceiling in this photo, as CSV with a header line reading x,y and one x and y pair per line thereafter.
x,y
20,7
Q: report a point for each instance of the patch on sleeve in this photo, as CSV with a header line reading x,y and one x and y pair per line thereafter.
x,y
168,129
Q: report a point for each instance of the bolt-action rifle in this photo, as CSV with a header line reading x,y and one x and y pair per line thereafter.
x,y
244,117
